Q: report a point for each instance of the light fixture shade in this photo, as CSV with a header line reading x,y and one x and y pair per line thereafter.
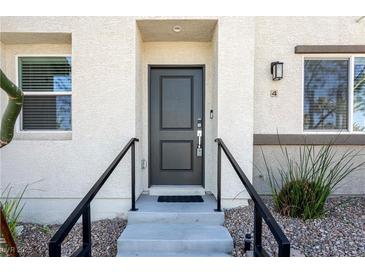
x,y
277,70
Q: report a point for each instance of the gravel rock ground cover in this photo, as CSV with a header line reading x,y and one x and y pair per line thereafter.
x,y
341,232
34,238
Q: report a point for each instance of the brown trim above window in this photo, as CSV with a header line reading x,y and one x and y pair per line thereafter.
x,y
317,49
309,139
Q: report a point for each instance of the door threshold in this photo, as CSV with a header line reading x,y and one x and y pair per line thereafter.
x,y
172,190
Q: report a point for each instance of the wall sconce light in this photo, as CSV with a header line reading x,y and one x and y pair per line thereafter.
x,y
277,70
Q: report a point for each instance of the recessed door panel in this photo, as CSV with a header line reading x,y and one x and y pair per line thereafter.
x,y
176,155
176,102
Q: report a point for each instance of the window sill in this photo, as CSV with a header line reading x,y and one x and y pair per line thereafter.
x,y
43,135
345,132
345,138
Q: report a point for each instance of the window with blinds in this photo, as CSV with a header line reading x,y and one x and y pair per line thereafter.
x,y
359,94
326,93
46,83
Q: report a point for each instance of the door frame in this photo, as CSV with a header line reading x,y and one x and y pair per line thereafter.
x,y
157,66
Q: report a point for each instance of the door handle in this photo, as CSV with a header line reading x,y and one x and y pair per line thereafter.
x,y
199,134
199,149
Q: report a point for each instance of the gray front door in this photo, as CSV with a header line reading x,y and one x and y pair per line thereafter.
x,y
176,120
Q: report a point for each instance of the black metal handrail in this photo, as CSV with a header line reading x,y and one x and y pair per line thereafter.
x,y
83,209
260,209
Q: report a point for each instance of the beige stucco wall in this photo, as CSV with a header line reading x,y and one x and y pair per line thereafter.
x,y
109,66
275,41
109,103
213,132
103,111
352,185
236,47
139,112
276,38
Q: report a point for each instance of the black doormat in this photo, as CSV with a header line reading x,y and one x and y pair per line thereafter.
x,y
180,199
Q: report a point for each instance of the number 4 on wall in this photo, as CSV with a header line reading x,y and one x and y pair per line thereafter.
x,y
274,93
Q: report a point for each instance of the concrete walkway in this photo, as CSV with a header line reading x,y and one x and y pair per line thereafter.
x,y
175,230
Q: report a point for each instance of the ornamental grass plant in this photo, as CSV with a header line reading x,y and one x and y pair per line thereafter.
x,y
303,182
12,207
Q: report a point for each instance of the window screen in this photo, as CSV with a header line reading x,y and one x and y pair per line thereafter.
x,y
46,82
326,94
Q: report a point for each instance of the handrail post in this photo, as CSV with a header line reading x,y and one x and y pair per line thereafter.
x,y
257,230
133,177
86,231
219,188
284,250
54,249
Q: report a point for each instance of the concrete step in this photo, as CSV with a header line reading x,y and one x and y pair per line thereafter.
x,y
171,190
204,218
148,203
165,254
174,239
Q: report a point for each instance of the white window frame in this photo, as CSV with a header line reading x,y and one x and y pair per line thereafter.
x,y
64,134
351,58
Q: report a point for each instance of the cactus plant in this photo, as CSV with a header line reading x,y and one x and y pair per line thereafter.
x,y
15,103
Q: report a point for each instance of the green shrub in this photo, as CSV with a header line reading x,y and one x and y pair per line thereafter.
x,y
301,186
12,207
